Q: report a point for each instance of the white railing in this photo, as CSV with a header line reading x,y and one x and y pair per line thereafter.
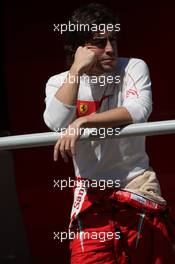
x,y
49,138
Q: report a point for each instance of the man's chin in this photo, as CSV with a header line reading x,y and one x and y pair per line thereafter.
x,y
108,68
103,68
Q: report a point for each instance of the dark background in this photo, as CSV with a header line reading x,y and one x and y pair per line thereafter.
x,y
32,53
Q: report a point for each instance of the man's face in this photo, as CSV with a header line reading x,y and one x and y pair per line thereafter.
x,y
105,47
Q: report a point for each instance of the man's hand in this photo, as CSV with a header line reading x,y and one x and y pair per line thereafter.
x,y
85,59
66,142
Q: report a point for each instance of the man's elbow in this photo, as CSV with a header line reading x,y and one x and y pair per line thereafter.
x,y
139,114
58,122
49,122
142,115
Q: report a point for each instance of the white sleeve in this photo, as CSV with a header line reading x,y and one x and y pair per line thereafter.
x,y
137,92
57,115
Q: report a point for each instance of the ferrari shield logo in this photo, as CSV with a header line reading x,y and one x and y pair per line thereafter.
x,y
83,108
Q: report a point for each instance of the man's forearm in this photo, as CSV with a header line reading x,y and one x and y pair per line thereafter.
x,y
111,118
68,92
84,60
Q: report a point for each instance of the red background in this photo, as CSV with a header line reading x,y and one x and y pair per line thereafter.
x,y
33,53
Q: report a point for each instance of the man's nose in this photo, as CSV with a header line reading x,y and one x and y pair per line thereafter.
x,y
109,47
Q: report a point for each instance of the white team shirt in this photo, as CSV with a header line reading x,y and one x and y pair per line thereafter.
x,y
117,159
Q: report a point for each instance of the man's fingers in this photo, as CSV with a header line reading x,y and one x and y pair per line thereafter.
x,y
67,148
72,147
62,150
65,145
56,151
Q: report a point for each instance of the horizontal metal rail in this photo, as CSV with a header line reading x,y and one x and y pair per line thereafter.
x,y
49,138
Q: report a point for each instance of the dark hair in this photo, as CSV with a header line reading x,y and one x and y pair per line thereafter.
x,y
93,13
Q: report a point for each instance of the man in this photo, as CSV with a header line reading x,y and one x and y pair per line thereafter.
x,y
130,216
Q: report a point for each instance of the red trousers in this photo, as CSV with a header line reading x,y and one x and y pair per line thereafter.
x,y
116,233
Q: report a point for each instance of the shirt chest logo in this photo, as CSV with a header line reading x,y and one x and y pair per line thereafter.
x,y
83,108
88,107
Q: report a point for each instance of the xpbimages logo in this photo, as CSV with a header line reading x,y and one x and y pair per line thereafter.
x,y
101,80
101,132
101,184
85,235
71,27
